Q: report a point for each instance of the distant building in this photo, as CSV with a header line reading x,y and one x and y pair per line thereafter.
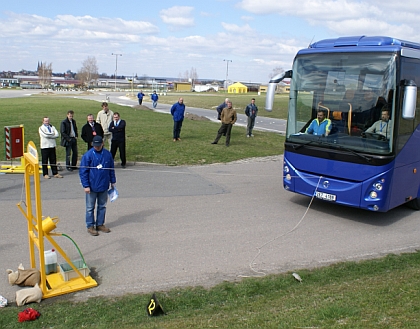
x,y
34,82
9,82
206,87
182,86
237,88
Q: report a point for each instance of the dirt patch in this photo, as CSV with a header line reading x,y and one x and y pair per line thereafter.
x,y
46,93
141,107
195,117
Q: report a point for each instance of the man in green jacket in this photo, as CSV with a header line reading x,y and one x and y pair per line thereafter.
x,y
228,118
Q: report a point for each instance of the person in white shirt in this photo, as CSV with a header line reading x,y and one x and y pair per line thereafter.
x,y
48,135
104,118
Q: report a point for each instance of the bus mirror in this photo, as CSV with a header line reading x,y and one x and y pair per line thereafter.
x,y
271,90
409,100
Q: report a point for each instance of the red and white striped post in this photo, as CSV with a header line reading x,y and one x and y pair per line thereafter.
x,y
13,138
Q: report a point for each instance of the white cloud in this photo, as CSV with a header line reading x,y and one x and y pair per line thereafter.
x,y
233,28
347,17
178,16
68,26
247,18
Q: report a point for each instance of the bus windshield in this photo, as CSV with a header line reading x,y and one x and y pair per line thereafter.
x,y
355,92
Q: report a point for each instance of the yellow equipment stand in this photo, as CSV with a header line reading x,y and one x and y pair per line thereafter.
x,y
53,284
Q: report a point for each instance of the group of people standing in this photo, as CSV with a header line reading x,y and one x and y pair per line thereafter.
x,y
97,165
227,115
96,170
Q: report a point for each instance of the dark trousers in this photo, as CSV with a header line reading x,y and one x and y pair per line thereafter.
x,y
140,101
224,129
177,129
71,154
250,126
121,146
49,155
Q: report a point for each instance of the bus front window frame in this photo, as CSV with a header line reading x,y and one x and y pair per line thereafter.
x,y
352,88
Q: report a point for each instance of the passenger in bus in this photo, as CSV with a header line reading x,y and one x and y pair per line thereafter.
x,y
382,126
321,125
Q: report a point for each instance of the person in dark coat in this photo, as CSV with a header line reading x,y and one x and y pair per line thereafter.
x,y
90,130
68,130
117,128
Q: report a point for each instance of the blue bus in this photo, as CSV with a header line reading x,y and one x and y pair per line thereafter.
x,y
369,154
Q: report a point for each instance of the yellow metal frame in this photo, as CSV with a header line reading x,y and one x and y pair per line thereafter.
x,y
53,284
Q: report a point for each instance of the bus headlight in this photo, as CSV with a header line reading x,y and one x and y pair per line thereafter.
x,y
286,169
378,186
373,195
288,177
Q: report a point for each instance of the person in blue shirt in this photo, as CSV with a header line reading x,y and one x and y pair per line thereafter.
x,y
178,111
320,126
154,98
96,175
140,96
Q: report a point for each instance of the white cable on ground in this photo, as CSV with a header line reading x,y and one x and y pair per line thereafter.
x,y
277,237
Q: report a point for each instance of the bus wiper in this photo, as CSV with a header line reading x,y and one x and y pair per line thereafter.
x,y
333,145
319,141
340,147
297,147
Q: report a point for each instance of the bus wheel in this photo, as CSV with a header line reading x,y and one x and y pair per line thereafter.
x,y
414,204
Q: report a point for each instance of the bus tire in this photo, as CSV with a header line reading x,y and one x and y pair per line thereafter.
x,y
414,204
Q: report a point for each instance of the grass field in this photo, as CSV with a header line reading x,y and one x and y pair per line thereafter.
x,y
149,134
382,293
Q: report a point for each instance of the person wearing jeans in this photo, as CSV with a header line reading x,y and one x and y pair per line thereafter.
x,y
96,175
251,112
155,99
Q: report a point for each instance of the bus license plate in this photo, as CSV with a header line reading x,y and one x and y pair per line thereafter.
x,y
326,196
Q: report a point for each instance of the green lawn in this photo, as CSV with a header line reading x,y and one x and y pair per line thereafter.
x,y
149,134
382,293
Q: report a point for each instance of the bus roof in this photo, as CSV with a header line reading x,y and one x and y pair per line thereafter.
x,y
364,41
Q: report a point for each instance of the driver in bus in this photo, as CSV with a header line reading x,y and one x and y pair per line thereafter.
x,y
320,126
382,127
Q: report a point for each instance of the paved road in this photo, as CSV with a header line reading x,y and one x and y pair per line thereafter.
x,y
200,225
262,123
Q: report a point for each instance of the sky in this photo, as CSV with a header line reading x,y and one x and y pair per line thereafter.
x,y
245,40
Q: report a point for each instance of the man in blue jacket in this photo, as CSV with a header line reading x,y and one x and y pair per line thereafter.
x,y
154,98
140,96
178,111
320,126
96,174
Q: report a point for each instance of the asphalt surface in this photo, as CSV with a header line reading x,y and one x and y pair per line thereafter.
x,y
199,225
